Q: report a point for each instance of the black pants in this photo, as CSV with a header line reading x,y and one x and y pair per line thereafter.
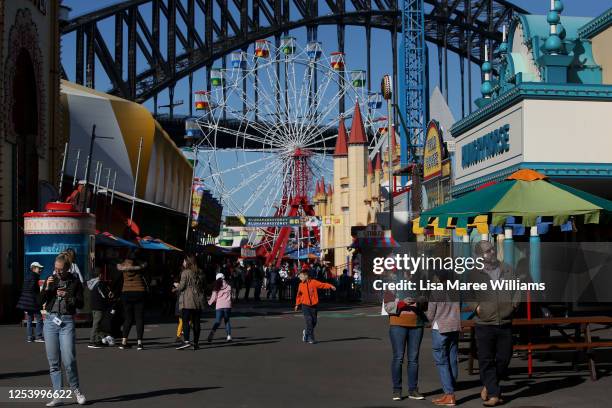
x,y
193,315
310,316
257,289
494,354
247,289
133,306
272,290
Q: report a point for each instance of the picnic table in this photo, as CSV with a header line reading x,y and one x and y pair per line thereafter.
x,y
568,341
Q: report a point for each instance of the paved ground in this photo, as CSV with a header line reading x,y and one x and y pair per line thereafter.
x,y
268,366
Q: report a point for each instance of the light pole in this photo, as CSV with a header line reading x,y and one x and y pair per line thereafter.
x,y
88,169
386,88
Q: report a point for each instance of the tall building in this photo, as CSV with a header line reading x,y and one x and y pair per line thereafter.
x,y
30,141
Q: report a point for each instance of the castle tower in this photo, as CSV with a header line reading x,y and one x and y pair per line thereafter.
x,y
340,203
357,165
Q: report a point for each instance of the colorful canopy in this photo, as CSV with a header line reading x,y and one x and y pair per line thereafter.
x,y
526,194
110,240
156,244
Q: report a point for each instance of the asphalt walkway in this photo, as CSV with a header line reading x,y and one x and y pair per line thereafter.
x,y
267,365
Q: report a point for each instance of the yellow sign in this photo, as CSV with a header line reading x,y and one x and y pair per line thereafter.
x,y
446,169
432,156
333,220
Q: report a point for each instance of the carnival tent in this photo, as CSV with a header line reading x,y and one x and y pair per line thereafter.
x,y
526,195
164,174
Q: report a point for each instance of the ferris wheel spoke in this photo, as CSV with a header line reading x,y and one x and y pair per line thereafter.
x,y
303,100
277,127
264,187
249,180
238,167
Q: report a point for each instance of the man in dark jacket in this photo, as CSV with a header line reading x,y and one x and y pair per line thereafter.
x,y
494,310
100,306
28,302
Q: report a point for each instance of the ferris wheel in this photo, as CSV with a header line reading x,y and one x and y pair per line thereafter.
x,y
268,127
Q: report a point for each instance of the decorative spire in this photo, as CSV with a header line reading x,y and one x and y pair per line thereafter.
x,y
486,88
330,190
503,47
358,135
370,167
378,164
553,44
341,146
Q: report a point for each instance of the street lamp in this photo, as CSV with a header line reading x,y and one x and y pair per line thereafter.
x,y
386,88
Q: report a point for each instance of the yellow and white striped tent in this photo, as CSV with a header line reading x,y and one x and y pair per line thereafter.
x,y
165,174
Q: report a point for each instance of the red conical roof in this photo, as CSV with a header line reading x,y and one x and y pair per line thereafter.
x,y
358,134
341,146
330,191
378,165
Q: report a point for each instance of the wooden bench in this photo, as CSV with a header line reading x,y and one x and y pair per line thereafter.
x,y
575,342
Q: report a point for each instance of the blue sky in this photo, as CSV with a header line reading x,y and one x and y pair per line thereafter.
x,y
355,59
355,52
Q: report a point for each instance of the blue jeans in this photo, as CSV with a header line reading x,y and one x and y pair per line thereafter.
x,y
60,347
405,338
223,314
444,347
39,324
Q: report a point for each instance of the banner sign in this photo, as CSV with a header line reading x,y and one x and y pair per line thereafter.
x,y
205,209
197,191
434,151
247,252
259,222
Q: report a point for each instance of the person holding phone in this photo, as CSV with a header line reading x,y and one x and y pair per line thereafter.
x,y
62,294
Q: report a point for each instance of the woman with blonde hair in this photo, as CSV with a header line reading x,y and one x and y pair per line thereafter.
x,y
191,301
62,294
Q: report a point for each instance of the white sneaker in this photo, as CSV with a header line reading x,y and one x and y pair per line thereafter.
x,y
110,341
55,402
81,400
304,335
104,340
229,338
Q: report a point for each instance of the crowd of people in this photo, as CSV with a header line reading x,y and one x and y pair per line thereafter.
x,y
118,301
493,313
118,304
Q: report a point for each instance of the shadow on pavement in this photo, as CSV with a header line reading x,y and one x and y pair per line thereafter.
x,y
153,394
250,342
5,376
349,339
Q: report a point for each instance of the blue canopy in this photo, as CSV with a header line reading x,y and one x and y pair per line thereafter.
x,y
156,245
110,240
304,253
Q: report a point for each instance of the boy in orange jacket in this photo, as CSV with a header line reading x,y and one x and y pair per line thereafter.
x,y
308,297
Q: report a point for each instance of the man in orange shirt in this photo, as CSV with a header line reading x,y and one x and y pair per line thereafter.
x,y
308,297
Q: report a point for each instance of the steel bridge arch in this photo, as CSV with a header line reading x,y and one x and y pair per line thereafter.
x,y
459,26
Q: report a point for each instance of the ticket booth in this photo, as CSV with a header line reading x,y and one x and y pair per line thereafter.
x,y
56,229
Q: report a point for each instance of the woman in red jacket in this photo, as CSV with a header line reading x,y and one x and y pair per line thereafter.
x,y
308,297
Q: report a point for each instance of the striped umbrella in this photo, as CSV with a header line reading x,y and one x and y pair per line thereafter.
x,y
525,195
